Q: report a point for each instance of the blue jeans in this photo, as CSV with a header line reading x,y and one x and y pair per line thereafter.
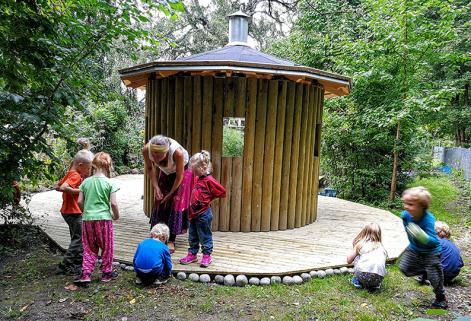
x,y
200,233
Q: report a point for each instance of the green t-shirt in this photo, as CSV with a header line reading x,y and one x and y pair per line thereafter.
x,y
97,191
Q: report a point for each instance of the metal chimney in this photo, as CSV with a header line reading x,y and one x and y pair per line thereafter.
x,y
238,29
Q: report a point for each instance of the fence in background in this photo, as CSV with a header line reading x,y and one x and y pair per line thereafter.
x,y
456,157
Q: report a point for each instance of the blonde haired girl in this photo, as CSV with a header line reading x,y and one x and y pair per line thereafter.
x,y
97,199
204,191
369,258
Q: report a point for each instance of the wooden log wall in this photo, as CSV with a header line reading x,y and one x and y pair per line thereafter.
x,y
274,185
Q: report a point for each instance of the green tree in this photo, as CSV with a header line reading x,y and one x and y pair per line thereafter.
x,y
48,51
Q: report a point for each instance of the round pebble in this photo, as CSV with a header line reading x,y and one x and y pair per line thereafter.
x,y
344,270
321,274
123,266
129,268
288,280
329,272
229,280
313,274
219,279
306,277
194,277
254,281
337,271
241,280
275,279
205,278
265,281
116,264
351,270
297,279
181,276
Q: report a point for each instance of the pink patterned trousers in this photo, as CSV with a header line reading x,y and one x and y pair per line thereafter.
x,y
97,235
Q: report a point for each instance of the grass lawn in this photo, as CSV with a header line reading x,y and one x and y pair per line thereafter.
x,y
30,289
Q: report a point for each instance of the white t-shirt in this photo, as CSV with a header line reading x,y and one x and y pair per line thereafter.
x,y
171,165
371,258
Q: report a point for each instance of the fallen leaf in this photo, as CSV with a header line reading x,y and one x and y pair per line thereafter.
x,y
24,308
296,303
132,301
124,319
71,287
63,300
364,304
48,302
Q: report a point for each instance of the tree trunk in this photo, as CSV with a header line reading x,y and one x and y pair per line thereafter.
x,y
392,194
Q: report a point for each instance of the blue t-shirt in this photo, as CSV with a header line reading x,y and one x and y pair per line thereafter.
x,y
153,256
426,223
451,257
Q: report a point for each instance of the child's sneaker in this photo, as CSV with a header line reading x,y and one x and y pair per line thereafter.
x,y
138,280
421,280
206,260
83,280
356,283
189,258
107,277
440,304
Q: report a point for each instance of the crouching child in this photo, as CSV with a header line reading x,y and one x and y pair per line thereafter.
x,y
152,262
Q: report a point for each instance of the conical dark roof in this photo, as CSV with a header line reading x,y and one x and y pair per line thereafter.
x,y
239,53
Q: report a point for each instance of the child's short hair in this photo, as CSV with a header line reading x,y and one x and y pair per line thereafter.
x,y
419,194
160,230
202,160
442,229
83,156
103,161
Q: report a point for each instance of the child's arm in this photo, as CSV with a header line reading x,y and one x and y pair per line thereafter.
x,y
67,189
80,200
217,190
167,262
114,206
353,254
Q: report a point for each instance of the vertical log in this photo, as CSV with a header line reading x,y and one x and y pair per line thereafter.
x,y
293,177
286,163
259,148
146,137
308,160
196,116
179,111
163,107
171,107
226,175
240,92
278,161
236,194
187,105
249,139
300,214
269,155
216,143
207,113
156,90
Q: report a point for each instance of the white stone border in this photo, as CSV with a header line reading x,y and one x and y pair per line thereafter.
x,y
242,280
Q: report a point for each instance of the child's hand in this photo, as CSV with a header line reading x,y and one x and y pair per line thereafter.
x,y
115,216
416,232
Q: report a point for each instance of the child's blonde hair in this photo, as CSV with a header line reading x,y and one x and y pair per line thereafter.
x,y
160,230
442,229
202,160
103,161
418,194
369,233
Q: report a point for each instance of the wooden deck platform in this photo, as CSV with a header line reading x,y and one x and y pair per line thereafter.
x,y
320,245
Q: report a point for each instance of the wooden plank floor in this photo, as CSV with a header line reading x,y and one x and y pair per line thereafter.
x,y
322,244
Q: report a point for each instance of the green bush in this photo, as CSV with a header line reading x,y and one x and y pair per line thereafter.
x,y
233,142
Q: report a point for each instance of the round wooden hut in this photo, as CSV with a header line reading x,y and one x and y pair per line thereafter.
x,y
273,185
